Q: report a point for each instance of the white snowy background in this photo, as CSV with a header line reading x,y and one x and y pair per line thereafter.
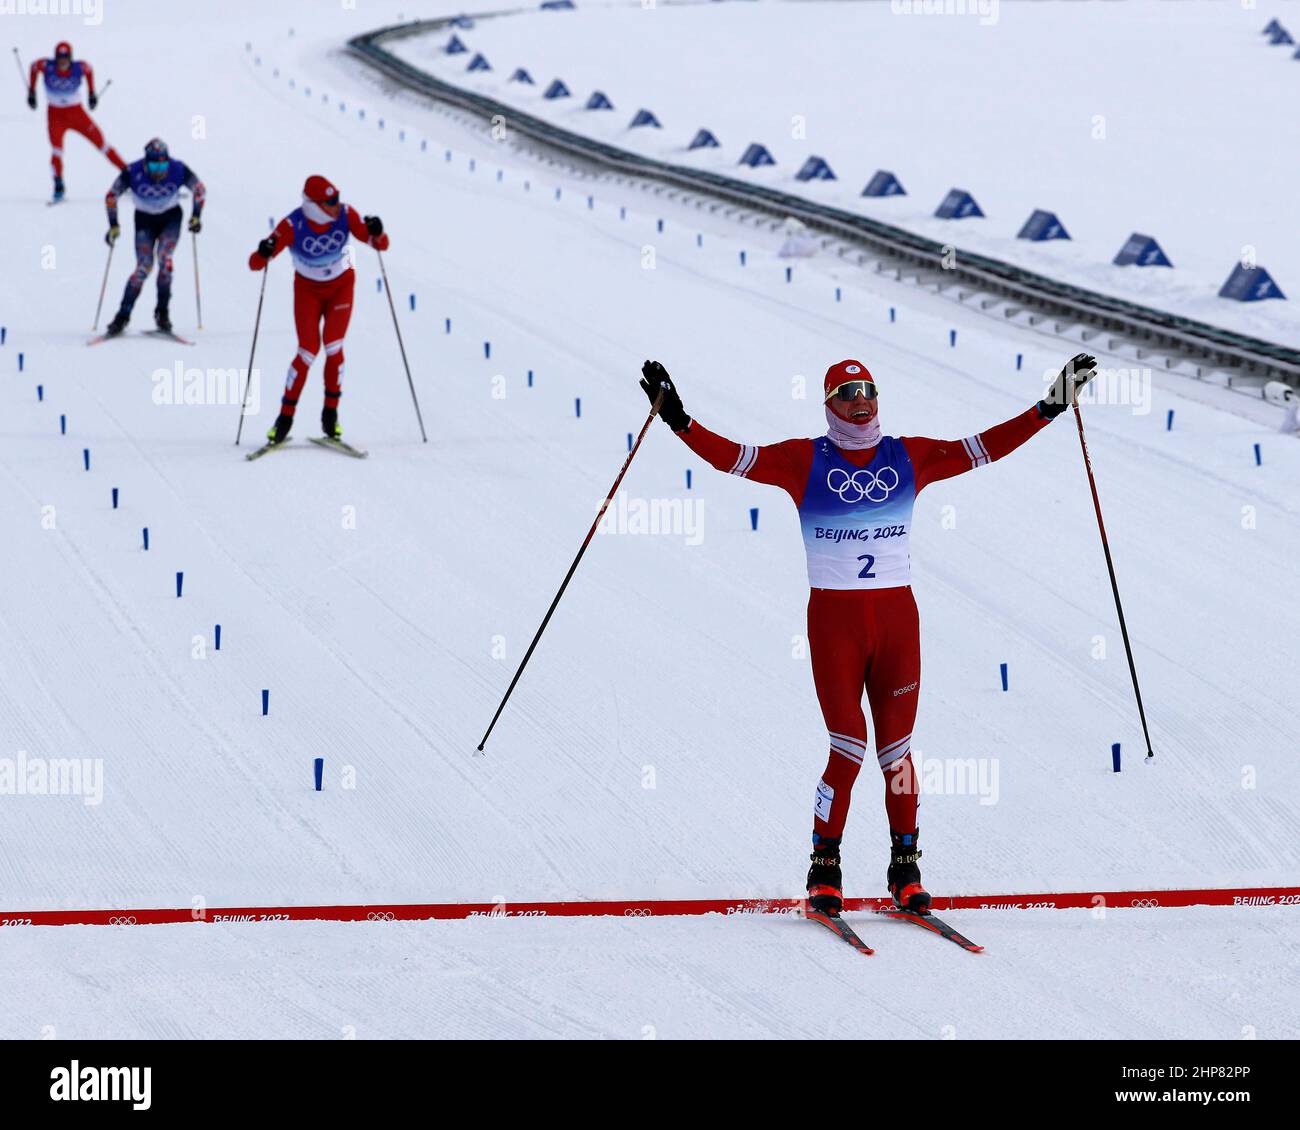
x,y
386,646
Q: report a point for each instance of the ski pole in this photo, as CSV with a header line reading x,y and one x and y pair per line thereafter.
x,y
249,376
198,301
393,310
654,411
103,286
103,90
1110,568
22,77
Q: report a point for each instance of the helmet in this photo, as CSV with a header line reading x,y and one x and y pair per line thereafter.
x,y
63,52
847,373
156,158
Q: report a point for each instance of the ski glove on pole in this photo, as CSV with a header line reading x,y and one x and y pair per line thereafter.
x,y
1078,371
110,237
654,379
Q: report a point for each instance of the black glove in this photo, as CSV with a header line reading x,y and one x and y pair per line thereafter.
x,y
31,99
1078,371
374,225
196,225
110,237
267,247
93,100
654,380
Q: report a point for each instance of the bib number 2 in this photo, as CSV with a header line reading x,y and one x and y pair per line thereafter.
x,y
866,573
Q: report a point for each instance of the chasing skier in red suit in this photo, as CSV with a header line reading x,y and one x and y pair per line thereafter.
x,y
63,75
854,489
316,235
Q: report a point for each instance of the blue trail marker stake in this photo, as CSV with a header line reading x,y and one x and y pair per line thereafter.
x,y
622,213
837,294
266,703
216,632
63,426
688,478
146,537
530,378
742,258
629,441
1259,459
40,392
699,239
891,314
1004,676
115,498
20,362
591,203
447,322
3,334
85,457
577,406
753,517
952,339
180,581
319,766
789,273
1169,421
487,350
1114,756
660,224
412,302
1020,360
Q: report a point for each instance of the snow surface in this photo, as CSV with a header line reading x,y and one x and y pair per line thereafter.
x,y
1165,119
665,741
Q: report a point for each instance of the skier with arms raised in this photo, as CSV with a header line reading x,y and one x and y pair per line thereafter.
x,y
155,182
855,489
62,77
316,235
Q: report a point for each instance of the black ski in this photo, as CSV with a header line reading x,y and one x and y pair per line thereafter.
x,y
841,929
935,924
162,334
339,445
265,448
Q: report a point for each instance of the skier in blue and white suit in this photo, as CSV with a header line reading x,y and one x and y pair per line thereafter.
x,y
156,183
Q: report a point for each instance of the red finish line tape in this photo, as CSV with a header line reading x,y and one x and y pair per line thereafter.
x,y
643,908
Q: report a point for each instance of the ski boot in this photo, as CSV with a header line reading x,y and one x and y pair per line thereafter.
x,y
118,324
825,883
904,876
279,431
329,423
58,189
162,319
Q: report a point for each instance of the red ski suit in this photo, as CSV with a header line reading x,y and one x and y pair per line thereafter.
x,y
864,639
317,302
64,119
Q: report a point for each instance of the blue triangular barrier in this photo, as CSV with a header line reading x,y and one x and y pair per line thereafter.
x,y
1250,284
1141,251
598,101
883,184
756,155
815,168
1281,38
1271,27
522,75
557,89
958,205
644,118
455,46
479,63
1042,225
703,140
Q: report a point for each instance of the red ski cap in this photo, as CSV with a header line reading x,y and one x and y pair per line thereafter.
x,y
320,191
842,372
63,50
